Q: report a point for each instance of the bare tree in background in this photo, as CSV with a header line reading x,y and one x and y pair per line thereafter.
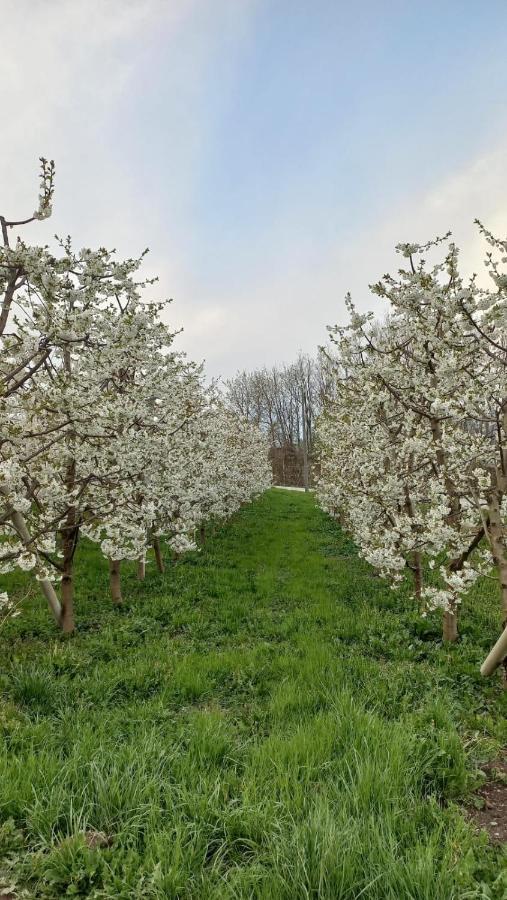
x,y
285,402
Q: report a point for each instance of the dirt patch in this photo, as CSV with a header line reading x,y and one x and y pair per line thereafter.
x,y
490,808
94,839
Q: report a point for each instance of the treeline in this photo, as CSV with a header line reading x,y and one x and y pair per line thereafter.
x,y
285,402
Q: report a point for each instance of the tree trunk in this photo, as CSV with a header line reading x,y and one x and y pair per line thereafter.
x,y
450,626
497,541
8,295
69,532
141,569
69,546
115,581
496,656
47,587
417,570
158,554
498,548
454,507
202,534
67,619
305,447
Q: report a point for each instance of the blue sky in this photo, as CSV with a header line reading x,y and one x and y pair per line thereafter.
x,y
269,153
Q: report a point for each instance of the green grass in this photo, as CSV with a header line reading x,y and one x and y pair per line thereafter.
x,y
267,720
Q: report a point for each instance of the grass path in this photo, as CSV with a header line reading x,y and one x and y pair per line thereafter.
x,y
267,720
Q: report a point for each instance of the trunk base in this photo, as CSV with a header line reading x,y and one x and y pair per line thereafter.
x,y
115,581
450,627
67,616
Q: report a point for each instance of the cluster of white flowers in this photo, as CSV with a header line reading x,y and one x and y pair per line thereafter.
x,y
414,431
105,430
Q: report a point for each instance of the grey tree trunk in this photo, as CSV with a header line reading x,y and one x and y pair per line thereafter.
x,y
46,585
496,656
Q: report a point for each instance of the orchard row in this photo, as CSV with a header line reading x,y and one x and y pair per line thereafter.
x,y
414,433
106,431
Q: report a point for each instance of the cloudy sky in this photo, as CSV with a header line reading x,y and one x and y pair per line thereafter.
x,y
269,152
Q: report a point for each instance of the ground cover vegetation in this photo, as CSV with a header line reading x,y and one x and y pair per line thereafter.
x,y
266,719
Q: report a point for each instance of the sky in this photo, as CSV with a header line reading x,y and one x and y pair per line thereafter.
x,y
270,153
